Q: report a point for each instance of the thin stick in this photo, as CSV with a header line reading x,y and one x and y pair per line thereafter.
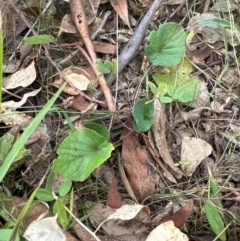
x,y
102,81
206,6
79,18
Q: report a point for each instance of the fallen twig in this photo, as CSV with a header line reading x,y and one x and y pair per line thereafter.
x,y
79,18
101,80
131,48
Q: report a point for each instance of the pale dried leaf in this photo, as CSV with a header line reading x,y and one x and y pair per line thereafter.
x,y
127,212
11,117
79,78
80,82
23,77
99,218
45,229
193,151
166,232
67,24
14,105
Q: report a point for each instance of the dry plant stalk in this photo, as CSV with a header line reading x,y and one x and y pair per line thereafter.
x,y
79,18
101,80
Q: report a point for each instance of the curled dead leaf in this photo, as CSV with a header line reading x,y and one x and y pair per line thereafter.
x,y
79,78
134,160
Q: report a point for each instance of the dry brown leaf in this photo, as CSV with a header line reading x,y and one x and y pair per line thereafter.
x,y
193,151
80,103
134,160
113,197
12,25
231,76
217,107
121,7
124,178
105,48
158,129
23,77
180,217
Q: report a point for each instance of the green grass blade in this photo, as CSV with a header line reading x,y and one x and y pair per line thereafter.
x,y
26,134
23,213
215,188
215,220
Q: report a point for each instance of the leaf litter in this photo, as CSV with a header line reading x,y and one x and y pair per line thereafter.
x,y
184,139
